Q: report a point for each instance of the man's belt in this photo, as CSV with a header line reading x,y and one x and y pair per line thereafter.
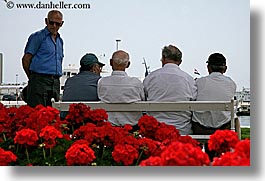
x,y
46,75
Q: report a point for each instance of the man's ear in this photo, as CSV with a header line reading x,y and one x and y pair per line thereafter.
x,y
46,21
111,62
128,64
225,69
180,61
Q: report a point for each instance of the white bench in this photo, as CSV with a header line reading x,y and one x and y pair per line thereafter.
x,y
147,106
13,103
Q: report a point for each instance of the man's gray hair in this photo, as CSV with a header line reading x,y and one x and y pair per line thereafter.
x,y
121,61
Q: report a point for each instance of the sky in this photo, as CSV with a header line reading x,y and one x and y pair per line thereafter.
x,y
197,27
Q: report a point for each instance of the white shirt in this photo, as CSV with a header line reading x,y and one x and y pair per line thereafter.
x,y
171,84
120,88
214,87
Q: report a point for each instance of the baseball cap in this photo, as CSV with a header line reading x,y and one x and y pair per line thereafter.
x,y
216,59
89,59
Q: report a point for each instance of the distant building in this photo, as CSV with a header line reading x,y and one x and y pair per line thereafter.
x,y
70,71
11,89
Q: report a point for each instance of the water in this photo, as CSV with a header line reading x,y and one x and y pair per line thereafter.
x,y
244,121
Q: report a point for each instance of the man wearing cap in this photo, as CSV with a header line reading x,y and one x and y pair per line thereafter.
x,y
83,86
214,87
171,84
121,88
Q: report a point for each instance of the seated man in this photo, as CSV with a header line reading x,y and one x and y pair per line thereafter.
x,y
171,84
214,87
83,86
121,88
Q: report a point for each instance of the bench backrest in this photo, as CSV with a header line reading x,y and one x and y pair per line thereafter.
x,y
148,106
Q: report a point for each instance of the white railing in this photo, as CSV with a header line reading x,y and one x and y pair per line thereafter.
x,y
13,103
147,106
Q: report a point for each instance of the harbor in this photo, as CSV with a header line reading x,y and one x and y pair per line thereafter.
x,y
244,121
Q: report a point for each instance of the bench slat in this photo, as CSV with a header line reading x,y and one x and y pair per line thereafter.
x,y
152,106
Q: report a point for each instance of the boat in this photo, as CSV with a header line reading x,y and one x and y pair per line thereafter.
x,y
243,102
243,109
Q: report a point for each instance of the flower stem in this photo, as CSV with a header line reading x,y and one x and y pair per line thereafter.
x,y
102,152
44,153
4,137
139,157
17,148
27,153
50,152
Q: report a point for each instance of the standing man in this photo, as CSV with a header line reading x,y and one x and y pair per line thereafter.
x,y
121,88
42,61
171,84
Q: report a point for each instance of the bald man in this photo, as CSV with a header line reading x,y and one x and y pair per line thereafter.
x,y
42,61
121,88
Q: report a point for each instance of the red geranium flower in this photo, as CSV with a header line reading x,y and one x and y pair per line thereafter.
x,y
49,134
6,157
149,146
152,161
130,140
184,154
79,154
85,132
243,147
188,139
77,113
148,126
165,131
222,141
26,136
126,154
96,115
231,159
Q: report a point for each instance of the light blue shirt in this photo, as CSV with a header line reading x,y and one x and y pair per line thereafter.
x,y
47,53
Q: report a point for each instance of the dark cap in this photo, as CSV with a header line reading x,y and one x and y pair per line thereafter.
x,y
89,59
216,59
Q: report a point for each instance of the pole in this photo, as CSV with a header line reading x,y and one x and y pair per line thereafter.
x,y
16,87
117,44
146,67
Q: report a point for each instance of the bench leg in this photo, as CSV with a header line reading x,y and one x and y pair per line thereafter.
x,y
237,128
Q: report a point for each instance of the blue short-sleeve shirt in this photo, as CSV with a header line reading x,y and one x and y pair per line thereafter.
x,y
47,54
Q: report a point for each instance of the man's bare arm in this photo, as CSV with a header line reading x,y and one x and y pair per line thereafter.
x,y
26,62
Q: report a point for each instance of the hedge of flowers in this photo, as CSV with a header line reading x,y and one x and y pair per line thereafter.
x,y
38,137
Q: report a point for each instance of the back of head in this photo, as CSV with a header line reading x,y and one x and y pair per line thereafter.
x,y
120,60
88,60
172,53
217,63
